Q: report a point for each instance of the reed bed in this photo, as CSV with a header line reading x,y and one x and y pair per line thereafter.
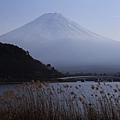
x,y
42,101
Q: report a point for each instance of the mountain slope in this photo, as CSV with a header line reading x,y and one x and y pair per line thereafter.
x,y
54,39
18,64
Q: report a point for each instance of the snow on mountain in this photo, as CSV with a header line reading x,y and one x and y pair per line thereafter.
x,y
54,39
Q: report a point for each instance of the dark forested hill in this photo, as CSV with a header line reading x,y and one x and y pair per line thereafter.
x,y
17,64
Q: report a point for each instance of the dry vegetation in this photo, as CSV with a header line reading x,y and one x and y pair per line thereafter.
x,y
41,101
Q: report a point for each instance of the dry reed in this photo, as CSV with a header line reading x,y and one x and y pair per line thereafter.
x,y
41,101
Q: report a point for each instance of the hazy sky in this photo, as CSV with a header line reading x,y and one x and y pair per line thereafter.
x,y
99,16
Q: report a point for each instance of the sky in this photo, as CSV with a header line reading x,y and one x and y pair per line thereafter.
x,y
99,16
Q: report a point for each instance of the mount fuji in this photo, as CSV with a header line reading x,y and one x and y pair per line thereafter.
x,y
59,41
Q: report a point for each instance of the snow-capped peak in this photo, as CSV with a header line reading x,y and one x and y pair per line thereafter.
x,y
51,26
55,39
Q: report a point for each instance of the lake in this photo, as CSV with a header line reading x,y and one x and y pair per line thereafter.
x,y
66,103
85,86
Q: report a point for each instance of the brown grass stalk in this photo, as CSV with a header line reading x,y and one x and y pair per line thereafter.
x,y
41,101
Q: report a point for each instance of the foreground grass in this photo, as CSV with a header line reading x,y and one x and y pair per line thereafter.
x,y
41,101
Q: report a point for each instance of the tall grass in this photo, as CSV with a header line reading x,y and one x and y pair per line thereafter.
x,y
41,101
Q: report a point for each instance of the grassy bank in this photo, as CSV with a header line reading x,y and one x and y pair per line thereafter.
x,y
41,101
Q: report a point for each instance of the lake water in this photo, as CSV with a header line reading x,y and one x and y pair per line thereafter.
x,y
5,87
85,86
